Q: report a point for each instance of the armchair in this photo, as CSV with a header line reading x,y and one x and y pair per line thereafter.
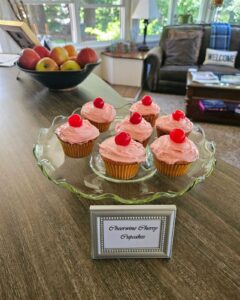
x,y
160,76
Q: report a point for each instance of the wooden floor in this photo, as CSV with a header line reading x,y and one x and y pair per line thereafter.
x,y
127,91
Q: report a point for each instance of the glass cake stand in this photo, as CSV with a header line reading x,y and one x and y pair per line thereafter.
x,y
86,177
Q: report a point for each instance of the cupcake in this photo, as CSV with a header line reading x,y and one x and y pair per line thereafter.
x,y
99,113
122,156
147,108
77,136
173,153
139,129
177,119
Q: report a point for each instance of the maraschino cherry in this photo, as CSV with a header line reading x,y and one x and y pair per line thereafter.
x,y
98,102
123,139
177,135
178,115
147,100
135,118
75,120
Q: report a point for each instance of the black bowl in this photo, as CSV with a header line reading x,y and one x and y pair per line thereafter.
x,y
61,80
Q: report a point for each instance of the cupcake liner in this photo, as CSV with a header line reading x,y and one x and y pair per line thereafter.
x,y
161,132
145,142
174,170
102,127
77,150
120,170
151,118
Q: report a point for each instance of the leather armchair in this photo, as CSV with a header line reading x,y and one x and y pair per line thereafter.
x,y
172,78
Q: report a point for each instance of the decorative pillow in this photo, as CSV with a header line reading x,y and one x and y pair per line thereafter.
x,y
184,34
181,52
220,57
187,34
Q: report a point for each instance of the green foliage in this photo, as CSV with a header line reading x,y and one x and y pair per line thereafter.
x,y
188,7
229,12
57,16
112,32
105,25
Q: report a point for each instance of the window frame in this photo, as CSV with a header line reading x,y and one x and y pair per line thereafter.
x,y
74,9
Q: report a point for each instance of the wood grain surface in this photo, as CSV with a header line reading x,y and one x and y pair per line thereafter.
x,y
45,230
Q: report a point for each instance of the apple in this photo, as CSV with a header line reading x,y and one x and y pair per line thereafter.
x,y
86,56
70,50
29,59
42,51
46,64
70,65
59,54
73,58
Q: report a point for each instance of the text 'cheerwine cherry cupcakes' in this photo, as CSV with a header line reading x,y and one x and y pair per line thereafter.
x,y
122,156
147,108
77,136
173,153
177,119
99,113
139,129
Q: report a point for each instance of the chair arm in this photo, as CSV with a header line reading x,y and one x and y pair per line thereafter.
x,y
152,63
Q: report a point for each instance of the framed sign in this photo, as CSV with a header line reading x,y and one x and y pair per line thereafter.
x,y
132,231
20,33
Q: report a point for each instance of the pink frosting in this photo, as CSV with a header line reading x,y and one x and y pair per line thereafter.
x,y
144,110
138,132
134,152
170,152
99,115
77,135
167,123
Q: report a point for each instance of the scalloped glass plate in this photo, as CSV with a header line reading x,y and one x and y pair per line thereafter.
x,y
86,177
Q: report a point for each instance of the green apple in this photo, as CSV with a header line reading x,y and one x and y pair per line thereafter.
x,y
70,65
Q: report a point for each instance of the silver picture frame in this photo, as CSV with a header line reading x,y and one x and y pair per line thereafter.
x,y
137,231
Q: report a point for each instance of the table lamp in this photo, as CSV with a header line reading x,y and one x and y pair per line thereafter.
x,y
146,10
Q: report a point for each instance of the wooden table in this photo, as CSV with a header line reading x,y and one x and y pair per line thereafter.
x,y
44,230
198,91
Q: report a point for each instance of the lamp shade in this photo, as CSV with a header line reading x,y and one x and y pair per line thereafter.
x,y
146,9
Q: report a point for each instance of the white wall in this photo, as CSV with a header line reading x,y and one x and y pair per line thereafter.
x,y
7,43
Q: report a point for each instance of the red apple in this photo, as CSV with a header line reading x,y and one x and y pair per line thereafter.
x,y
42,51
59,54
46,64
86,56
29,59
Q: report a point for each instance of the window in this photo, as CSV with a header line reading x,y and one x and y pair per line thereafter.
x,y
156,25
187,11
77,20
229,12
100,20
52,20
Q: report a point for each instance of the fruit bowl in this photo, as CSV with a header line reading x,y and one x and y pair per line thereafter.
x,y
86,177
61,80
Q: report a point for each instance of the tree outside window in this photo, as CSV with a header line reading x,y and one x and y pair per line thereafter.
x,y
229,12
51,20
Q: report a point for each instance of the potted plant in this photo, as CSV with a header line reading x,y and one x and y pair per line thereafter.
x,y
217,2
